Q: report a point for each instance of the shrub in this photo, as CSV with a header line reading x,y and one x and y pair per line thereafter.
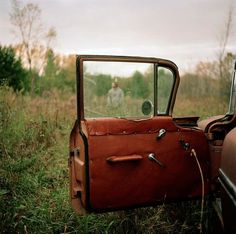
x,y
12,73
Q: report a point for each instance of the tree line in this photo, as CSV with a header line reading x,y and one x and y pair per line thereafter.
x,y
209,79
58,72
32,66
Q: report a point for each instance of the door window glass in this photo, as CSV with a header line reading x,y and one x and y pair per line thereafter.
x,y
164,88
117,89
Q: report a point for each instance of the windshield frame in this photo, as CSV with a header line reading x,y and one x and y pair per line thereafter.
x,y
232,100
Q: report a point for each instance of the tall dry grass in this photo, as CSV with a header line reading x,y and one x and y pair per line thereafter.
x,y
34,197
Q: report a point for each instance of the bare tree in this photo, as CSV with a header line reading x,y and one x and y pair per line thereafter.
x,y
34,40
224,57
225,38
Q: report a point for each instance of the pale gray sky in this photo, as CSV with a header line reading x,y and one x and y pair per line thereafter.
x,y
184,31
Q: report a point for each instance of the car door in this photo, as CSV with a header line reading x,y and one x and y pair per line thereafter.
x,y
126,149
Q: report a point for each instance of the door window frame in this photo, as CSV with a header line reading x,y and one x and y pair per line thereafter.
x,y
157,62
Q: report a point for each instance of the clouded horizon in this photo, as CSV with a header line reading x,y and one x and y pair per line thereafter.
x,y
184,31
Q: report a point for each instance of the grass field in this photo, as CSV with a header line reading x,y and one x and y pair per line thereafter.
x,y
34,195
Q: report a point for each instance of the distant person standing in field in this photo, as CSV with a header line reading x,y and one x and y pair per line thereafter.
x,y
115,96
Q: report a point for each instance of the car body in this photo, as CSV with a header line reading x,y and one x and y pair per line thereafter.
x,y
138,154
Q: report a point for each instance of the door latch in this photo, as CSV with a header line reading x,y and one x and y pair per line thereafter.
x,y
75,152
161,133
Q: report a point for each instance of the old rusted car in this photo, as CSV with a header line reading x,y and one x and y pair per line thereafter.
x,y
128,151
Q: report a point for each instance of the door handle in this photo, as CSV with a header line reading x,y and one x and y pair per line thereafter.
x,y
161,133
152,157
128,158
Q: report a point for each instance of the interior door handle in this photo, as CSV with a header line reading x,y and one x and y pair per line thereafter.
x,y
152,157
129,158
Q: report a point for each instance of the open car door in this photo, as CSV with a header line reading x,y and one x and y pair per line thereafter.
x,y
126,150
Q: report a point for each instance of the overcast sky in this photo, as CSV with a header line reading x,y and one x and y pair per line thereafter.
x,y
185,31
